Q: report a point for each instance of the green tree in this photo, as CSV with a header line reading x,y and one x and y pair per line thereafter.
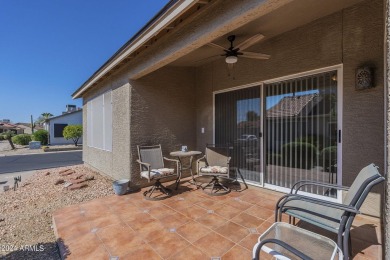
x,y
42,136
8,136
73,132
252,116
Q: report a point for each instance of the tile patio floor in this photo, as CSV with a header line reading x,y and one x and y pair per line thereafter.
x,y
188,225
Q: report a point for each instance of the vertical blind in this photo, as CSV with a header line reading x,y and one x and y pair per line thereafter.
x,y
99,122
301,130
237,124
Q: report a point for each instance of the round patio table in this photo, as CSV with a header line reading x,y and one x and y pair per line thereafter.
x,y
180,155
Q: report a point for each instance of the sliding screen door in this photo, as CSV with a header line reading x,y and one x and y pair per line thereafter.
x,y
301,130
238,125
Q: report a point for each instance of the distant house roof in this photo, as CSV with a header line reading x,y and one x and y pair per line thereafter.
x,y
287,107
65,114
8,126
28,125
292,106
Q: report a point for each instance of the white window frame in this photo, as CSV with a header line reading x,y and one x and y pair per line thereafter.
x,y
90,125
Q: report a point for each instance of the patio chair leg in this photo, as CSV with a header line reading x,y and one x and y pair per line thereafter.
x,y
157,186
216,186
177,182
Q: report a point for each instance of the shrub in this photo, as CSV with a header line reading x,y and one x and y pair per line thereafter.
x,y
299,155
73,132
42,136
316,140
328,157
274,158
1,137
22,139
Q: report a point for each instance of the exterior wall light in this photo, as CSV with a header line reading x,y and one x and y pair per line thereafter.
x,y
364,78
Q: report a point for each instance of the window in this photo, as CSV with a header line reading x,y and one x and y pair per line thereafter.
x,y
99,122
58,129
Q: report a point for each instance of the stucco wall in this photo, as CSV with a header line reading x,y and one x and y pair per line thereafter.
x,y
352,37
162,112
75,118
115,163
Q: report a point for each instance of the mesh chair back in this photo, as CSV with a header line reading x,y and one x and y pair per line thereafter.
x,y
152,155
217,156
364,181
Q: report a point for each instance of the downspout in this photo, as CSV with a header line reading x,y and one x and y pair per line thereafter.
x,y
386,208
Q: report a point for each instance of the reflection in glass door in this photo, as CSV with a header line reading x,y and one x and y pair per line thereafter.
x,y
301,131
238,125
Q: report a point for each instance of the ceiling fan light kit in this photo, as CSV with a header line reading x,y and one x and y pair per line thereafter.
x,y
231,59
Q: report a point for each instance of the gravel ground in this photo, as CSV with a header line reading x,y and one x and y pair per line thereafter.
x,y
26,214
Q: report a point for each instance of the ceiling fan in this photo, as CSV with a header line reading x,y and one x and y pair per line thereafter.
x,y
233,52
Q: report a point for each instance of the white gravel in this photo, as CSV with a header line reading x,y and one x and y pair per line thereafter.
x,y
26,214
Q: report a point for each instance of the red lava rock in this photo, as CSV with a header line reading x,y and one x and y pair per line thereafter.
x,y
59,181
77,186
78,176
76,181
67,173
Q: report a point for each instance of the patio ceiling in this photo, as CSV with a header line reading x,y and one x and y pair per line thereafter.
x,y
286,18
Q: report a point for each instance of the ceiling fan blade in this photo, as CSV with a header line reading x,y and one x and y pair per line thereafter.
x,y
216,46
255,55
249,42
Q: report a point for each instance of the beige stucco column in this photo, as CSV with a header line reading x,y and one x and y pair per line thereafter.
x,y
386,208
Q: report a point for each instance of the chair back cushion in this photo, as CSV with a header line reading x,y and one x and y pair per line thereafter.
x,y
362,185
217,156
151,155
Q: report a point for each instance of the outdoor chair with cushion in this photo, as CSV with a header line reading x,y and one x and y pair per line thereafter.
x,y
214,163
332,216
152,168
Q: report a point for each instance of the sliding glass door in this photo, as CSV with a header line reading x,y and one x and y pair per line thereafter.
x,y
284,131
301,131
238,125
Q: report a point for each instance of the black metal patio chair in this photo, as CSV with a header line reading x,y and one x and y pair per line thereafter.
x,y
331,216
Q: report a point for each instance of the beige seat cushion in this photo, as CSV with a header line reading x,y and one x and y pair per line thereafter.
x,y
158,173
214,169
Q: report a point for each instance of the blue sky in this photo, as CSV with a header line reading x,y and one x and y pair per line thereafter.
x,y
48,48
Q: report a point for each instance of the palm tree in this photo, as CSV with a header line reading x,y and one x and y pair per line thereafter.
x,y
43,117
46,115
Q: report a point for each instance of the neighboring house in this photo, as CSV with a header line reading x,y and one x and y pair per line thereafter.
x,y
161,87
55,126
10,127
27,127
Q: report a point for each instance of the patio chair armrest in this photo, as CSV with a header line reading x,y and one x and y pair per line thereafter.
x,y
330,204
171,160
145,164
203,158
298,185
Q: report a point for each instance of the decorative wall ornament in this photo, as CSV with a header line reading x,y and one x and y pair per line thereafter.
x,y
364,78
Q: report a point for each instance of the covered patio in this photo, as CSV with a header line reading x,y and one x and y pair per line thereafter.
x,y
188,225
